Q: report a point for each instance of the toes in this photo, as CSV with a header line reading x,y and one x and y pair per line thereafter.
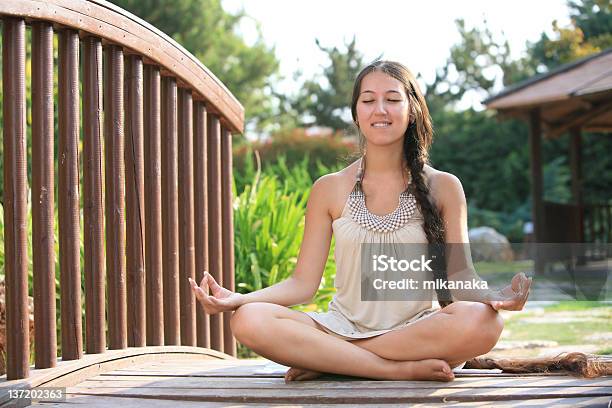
x,y
290,375
308,375
444,376
447,371
297,374
300,377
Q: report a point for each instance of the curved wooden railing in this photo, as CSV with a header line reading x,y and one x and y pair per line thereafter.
x,y
156,183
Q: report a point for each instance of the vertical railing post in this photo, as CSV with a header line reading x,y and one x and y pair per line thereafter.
x,y
15,178
135,228
68,195
201,215
215,255
229,343
170,211
115,196
186,227
153,211
93,205
43,187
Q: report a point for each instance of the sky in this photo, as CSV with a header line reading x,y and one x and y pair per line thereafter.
x,y
417,33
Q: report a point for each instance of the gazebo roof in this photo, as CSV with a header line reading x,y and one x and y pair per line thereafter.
x,y
578,94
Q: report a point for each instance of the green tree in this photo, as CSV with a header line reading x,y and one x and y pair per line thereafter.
x,y
467,141
479,62
594,18
480,59
210,33
325,99
590,31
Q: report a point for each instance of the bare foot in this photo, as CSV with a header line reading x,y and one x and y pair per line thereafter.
x,y
422,370
299,374
428,370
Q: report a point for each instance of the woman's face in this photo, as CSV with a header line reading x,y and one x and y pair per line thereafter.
x,y
382,109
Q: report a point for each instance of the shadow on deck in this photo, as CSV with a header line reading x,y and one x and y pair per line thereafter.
x,y
155,377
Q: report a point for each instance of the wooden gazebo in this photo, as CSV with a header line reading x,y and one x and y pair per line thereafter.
x,y
573,98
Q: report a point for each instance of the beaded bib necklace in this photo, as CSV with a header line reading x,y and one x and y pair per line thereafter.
x,y
379,223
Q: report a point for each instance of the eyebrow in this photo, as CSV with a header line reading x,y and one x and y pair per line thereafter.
x,y
390,90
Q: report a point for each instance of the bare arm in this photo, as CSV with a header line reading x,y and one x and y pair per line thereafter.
x,y
450,198
303,284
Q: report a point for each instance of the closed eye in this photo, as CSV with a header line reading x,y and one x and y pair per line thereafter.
x,y
389,100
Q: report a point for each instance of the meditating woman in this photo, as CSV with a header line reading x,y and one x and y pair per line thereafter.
x,y
405,340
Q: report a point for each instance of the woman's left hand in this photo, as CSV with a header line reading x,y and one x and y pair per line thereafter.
x,y
513,296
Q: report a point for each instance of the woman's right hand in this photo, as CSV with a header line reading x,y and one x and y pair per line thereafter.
x,y
219,299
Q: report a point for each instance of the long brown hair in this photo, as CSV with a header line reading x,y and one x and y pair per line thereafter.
x,y
417,140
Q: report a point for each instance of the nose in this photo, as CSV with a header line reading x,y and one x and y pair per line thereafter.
x,y
380,107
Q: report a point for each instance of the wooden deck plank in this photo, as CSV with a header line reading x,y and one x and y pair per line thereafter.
x,y
104,402
251,383
343,395
258,368
239,382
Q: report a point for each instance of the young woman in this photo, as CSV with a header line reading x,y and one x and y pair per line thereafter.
x,y
381,340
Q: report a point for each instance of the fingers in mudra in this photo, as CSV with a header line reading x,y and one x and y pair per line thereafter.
x,y
201,293
514,296
213,297
520,292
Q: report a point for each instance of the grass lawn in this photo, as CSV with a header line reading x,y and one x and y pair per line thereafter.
x,y
566,323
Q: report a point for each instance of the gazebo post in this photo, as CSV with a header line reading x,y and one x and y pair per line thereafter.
x,y
537,190
576,170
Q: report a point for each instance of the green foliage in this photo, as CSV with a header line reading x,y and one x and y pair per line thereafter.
x,y
292,151
269,225
508,224
478,59
268,219
210,33
324,101
593,17
590,31
489,157
467,66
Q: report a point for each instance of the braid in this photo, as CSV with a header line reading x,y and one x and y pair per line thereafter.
x,y
417,140
433,223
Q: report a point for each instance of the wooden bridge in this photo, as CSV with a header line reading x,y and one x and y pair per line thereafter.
x,y
191,376
156,183
144,183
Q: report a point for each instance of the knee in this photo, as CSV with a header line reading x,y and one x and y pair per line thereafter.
x,y
248,321
484,325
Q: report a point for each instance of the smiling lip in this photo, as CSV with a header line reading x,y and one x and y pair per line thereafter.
x,y
381,124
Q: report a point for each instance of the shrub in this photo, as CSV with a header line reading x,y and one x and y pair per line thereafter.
x,y
289,151
269,225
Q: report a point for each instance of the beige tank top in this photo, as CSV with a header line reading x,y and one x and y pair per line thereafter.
x,y
349,316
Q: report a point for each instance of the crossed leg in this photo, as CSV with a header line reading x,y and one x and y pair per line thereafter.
x,y
424,350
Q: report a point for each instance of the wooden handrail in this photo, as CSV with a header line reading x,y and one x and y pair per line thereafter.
x,y
113,24
156,184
